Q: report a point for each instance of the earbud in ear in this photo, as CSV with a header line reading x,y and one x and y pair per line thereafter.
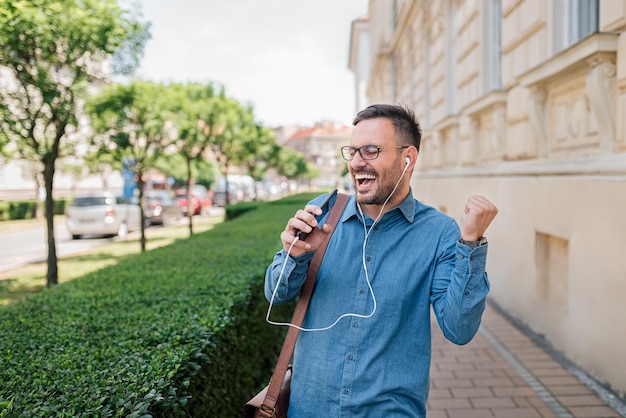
x,y
408,161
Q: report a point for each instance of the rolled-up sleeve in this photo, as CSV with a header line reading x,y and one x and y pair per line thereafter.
x,y
460,287
289,274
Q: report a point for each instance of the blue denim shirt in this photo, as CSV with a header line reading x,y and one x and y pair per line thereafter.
x,y
379,366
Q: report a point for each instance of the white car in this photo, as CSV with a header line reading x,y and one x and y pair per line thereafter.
x,y
101,213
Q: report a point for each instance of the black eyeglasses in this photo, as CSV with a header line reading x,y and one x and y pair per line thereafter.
x,y
367,152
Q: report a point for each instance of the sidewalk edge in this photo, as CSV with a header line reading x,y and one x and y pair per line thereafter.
x,y
610,397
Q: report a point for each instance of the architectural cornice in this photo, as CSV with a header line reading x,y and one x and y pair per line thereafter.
x,y
570,60
491,99
605,165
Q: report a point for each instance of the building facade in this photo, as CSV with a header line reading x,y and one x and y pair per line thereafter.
x,y
523,101
320,147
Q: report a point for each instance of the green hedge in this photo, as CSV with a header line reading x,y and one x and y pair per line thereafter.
x,y
27,209
177,331
18,210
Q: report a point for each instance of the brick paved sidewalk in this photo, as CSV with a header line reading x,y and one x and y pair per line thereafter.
x,y
502,373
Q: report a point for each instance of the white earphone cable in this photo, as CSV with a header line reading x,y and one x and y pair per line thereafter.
x,y
369,284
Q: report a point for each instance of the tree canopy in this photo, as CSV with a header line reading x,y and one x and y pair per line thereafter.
x,y
50,53
134,122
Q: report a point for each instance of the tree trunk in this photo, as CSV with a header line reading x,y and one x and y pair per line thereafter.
x,y
189,197
142,240
225,172
48,178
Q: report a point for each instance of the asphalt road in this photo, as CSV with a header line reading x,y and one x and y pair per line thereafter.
x,y
28,246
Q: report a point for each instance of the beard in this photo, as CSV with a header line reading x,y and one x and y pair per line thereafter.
x,y
386,183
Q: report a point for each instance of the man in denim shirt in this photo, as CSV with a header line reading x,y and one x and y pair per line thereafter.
x,y
366,346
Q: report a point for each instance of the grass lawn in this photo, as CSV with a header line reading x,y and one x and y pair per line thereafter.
x,y
31,278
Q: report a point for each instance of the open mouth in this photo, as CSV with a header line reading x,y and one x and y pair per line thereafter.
x,y
365,180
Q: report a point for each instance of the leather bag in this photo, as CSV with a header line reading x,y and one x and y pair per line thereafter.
x,y
273,400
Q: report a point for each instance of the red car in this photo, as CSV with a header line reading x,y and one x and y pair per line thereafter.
x,y
200,200
181,200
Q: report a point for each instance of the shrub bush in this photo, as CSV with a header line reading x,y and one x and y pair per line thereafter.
x,y
22,210
4,211
176,331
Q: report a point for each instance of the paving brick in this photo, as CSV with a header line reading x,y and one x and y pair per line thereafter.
x,y
560,381
594,412
437,393
493,382
570,390
550,371
545,412
514,391
472,393
493,402
516,413
584,400
473,373
450,404
469,413
522,402
437,414
452,383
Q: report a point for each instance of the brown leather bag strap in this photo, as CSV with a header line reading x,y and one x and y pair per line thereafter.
x,y
284,358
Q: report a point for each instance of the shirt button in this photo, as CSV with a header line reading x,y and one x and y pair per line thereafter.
x,y
361,291
351,357
369,258
466,292
461,256
346,391
355,324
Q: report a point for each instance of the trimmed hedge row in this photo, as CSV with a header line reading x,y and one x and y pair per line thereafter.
x,y
27,209
177,331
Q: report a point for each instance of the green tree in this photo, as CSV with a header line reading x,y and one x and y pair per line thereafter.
x,y
259,150
199,116
134,122
290,163
50,51
237,128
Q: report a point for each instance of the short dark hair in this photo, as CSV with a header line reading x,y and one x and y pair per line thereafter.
x,y
405,123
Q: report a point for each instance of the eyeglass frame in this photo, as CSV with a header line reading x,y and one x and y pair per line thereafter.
x,y
358,149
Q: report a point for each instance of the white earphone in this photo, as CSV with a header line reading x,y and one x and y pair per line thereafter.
x,y
408,160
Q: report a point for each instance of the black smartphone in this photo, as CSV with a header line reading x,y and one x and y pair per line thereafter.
x,y
325,206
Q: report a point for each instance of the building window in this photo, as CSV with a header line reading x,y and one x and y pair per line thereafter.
x,y
451,62
427,104
573,20
492,22
394,79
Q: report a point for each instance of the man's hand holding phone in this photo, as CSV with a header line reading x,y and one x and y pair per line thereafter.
x,y
304,228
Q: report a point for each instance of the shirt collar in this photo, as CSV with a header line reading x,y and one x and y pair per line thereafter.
x,y
406,207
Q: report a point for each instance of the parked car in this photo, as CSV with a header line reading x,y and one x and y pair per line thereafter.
x,y
240,188
201,201
101,213
161,208
203,195
181,199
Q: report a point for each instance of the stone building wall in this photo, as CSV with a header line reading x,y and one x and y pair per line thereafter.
x,y
521,103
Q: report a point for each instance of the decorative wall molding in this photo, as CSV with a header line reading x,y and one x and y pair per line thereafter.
x,y
537,115
594,58
600,87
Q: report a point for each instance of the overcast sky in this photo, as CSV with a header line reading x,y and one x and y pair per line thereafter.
x,y
288,58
